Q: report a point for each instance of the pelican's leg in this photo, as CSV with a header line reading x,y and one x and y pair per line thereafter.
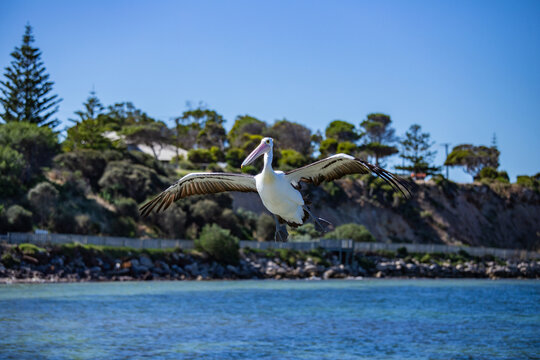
x,y
281,233
318,220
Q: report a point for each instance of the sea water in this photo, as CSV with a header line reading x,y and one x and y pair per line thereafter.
x,y
341,319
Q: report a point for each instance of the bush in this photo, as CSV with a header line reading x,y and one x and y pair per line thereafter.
x,y
402,252
528,181
127,207
19,219
11,167
91,164
490,174
351,231
85,226
291,159
43,197
37,145
219,244
31,249
123,226
201,156
205,211
124,179
265,227
235,157
173,222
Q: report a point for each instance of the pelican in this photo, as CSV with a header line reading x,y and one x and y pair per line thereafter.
x,y
279,191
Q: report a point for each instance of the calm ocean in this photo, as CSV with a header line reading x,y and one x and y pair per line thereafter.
x,y
368,319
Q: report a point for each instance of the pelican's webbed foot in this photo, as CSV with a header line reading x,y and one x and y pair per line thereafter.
x,y
281,233
319,221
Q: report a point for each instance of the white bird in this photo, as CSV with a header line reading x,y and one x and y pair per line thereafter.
x,y
278,190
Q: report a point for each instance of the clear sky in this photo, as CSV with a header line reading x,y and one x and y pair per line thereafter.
x,y
463,70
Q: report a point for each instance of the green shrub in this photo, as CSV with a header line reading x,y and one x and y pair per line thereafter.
x,y
127,207
426,258
11,167
201,156
85,226
124,179
123,226
235,157
489,174
402,251
351,231
30,249
291,159
19,219
219,244
9,259
528,181
37,145
265,227
43,197
91,164
205,211
173,222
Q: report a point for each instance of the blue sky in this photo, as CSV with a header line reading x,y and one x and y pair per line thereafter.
x,y
463,70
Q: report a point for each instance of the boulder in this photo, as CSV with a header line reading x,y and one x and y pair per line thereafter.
x,y
146,261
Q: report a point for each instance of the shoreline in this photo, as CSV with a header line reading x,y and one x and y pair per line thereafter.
x,y
27,281
27,263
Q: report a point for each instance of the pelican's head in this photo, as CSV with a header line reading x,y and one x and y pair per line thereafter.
x,y
264,147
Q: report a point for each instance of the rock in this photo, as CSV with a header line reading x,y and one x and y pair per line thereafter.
x,y
311,269
379,274
146,261
57,261
233,269
139,269
328,274
95,270
193,269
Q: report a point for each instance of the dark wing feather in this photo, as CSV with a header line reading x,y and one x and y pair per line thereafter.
x,y
339,165
198,184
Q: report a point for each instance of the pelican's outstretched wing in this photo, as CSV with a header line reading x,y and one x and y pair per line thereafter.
x,y
198,184
339,165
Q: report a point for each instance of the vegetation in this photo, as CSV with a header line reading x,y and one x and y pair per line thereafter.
x,y
26,91
417,152
379,137
473,158
354,232
219,244
91,179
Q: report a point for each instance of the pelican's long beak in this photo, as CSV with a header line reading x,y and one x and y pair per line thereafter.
x,y
261,149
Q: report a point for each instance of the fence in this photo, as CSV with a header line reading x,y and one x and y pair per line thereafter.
x,y
331,245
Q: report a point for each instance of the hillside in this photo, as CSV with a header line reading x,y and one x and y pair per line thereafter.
x,y
496,215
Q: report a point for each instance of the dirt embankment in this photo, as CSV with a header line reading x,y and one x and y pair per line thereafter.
x,y
495,215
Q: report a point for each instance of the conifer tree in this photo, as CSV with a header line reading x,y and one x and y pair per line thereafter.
x,y
417,151
26,91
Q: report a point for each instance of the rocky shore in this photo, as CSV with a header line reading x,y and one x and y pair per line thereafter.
x,y
70,263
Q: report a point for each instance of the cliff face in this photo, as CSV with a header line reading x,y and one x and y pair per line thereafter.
x,y
495,215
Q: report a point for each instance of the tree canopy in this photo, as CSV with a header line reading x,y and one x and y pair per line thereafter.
x,y
379,136
342,131
473,158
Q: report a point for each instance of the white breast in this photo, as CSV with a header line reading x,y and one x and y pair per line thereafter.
x,y
279,197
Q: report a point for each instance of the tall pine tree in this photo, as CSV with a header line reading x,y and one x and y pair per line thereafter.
x,y
26,91
417,152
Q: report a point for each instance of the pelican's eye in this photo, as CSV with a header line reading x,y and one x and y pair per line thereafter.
x,y
268,141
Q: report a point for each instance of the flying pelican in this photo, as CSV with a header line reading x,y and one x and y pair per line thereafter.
x,y
278,190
